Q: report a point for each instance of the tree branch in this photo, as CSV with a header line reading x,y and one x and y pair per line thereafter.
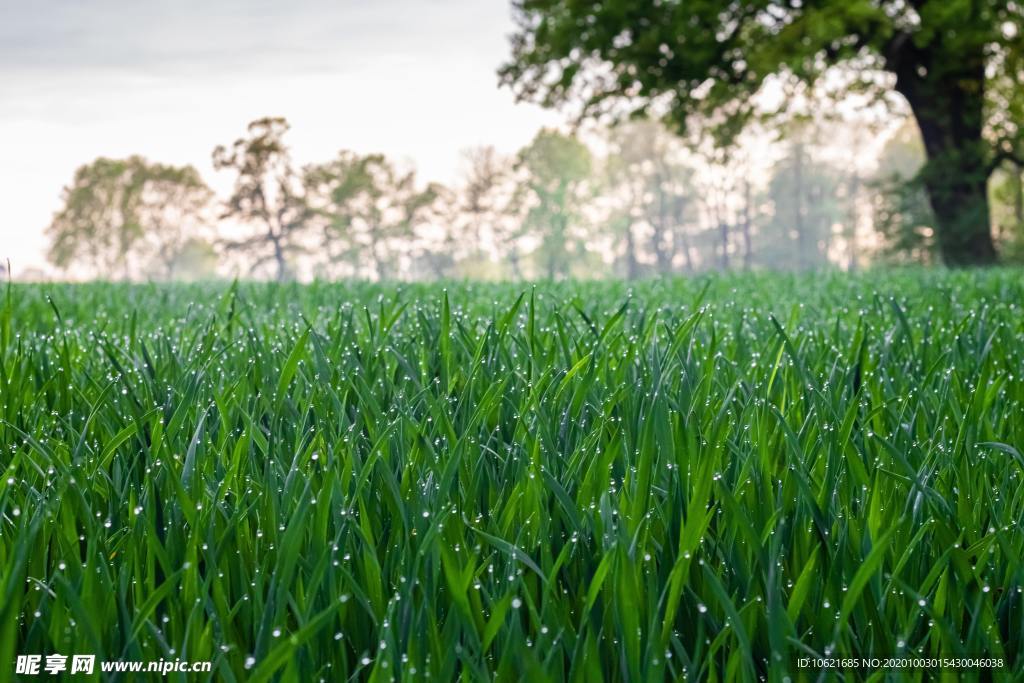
x,y
1003,156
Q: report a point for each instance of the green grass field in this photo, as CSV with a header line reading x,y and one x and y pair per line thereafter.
x,y
689,480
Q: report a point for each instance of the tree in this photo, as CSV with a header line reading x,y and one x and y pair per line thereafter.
x,y
196,259
490,207
648,166
804,195
126,215
1008,210
374,207
268,195
711,58
479,196
554,169
721,199
902,215
340,193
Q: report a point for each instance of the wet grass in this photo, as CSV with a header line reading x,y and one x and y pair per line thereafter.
x,y
694,480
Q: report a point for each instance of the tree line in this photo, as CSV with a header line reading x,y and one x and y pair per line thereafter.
x,y
958,65
648,203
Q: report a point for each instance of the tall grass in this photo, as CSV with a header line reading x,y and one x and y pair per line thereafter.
x,y
697,480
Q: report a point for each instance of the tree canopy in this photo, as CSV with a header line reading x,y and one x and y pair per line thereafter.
x,y
125,213
268,194
953,60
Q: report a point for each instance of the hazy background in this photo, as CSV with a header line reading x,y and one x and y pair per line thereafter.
x,y
413,79
373,140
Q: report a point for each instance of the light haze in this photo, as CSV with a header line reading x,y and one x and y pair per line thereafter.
x,y
171,80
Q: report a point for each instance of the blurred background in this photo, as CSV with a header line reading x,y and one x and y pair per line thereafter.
x,y
407,140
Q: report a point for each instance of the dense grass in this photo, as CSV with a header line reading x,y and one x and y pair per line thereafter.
x,y
671,480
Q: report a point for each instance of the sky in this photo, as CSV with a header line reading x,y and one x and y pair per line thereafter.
x,y
414,79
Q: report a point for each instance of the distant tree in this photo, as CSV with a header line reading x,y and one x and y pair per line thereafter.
x,y
804,194
122,216
268,197
901,213
341,193
196,259
711,58
554,169
1008,209
648,166
373,208
619,195
483,177
439,240
719,195
492,209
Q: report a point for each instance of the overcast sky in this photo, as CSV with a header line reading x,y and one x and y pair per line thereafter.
x,y
414,79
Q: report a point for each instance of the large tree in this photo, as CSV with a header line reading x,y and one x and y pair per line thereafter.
x,y
711,58
123,217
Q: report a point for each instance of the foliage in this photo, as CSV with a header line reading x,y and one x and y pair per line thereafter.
x,y
485,216
712,59
902,215
554,171
804,194
195,260
267,197
122,216
1008,210
664,480
372,206
648,169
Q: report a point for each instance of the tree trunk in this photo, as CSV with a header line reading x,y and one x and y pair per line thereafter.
x,y
679,235
947,99
279,260
959,199
662,255
748,250
851,230
1018,198
513,261
798,219
723,235
687,253
632,267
